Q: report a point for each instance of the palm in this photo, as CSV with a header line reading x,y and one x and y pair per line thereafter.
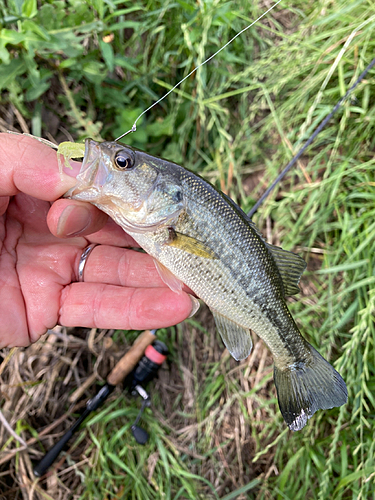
x,y
38,263
36,266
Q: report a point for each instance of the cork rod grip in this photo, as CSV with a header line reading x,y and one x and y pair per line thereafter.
x,y
129,361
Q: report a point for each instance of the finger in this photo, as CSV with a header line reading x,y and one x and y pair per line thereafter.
x,y
101,229
14,330
31,167
112,234
44,269
106,306
4,202
121,266
74,218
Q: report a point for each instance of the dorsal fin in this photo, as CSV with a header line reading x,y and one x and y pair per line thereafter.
x,y
291,267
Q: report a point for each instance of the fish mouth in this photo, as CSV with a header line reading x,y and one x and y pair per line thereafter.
x,y
92,186
94,174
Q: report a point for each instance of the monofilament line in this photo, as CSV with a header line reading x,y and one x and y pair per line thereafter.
x,y
134,127
321,126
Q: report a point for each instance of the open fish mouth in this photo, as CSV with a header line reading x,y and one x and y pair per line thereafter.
x,y
93,176
93,181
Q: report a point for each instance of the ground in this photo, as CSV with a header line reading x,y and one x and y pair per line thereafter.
x,y
76,69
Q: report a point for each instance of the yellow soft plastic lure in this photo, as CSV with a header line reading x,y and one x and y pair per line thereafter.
x,y
66,149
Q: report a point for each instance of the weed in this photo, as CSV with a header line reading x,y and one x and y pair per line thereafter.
x,y
73,68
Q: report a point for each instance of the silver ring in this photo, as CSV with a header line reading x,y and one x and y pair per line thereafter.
x,y
83,260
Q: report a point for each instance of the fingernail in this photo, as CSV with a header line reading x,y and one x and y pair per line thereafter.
x,y
196,306
73,220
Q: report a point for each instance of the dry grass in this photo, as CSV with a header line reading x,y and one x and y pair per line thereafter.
x,y
38,382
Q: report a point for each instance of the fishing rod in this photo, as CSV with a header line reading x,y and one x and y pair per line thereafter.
x,y
292,162
320,127
137,367
295,158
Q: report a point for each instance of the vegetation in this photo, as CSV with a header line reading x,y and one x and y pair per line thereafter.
x,y
73,69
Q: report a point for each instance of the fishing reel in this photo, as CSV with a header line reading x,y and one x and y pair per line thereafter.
x,y
154,356
135,369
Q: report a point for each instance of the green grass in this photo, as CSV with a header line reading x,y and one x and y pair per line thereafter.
x,y
237,122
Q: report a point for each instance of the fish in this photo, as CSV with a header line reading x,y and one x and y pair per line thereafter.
x,y
199,237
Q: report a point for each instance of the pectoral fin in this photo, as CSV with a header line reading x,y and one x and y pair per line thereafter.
x,y
236,338
169,278
189,244
291,267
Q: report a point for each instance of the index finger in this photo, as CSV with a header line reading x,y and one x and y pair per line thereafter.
x,y
31,167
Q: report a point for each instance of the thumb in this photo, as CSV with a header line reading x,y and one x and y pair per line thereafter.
x,y
74,218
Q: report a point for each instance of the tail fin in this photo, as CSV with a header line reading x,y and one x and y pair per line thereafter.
x,y
308,386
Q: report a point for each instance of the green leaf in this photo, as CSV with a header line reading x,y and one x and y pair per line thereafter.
x,y
68,63
240,491
29,8
344,267
189,8
124,63
18,5
99,7
160,127
95,71
108,54
350,478
122,465
4,55
11,36
124,24
9,72
35,28
288,469
36,91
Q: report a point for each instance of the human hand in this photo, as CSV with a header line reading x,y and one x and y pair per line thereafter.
x,y
41,241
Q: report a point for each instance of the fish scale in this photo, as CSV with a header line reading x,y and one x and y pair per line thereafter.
x,y
247,259
199,237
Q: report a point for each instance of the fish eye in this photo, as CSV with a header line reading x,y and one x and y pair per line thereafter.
x,y
124,161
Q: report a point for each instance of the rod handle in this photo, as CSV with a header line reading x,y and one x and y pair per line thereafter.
x,y
130,360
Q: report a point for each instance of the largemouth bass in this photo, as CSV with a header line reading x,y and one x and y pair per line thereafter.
x,y
198,236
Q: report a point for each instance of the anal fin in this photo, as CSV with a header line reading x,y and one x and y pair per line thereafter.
x,y
236,338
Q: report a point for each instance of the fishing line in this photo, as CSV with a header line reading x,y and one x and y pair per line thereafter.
x,y
321,126
134,127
